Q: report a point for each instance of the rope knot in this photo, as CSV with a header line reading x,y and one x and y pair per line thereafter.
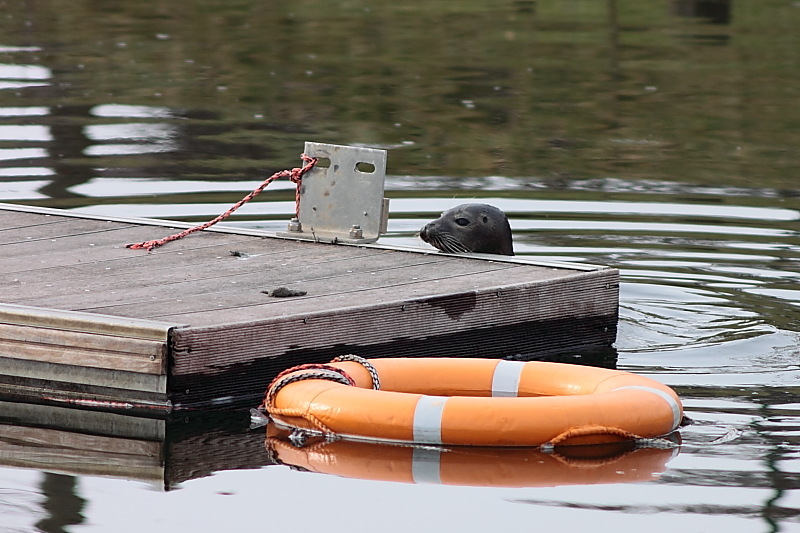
x,y
296,174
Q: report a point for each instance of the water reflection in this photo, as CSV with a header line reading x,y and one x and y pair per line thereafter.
x,y
131,111
7,154
25,133
24,111
478,467
61,503
153,138
25,72
18,76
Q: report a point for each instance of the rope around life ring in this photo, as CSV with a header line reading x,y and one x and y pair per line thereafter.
x,y
373,372
298,373
315,371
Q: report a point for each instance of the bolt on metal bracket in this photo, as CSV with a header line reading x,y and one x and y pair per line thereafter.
x,y
341,198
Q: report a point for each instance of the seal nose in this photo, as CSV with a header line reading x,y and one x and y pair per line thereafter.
x,y
428,231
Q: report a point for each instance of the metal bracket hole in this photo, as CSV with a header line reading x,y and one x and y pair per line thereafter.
x,y
365,168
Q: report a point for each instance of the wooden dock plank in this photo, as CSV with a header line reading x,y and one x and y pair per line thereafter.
x,y
79,248
112,244
324,295
357,291
44,351
102,343
70,227
344,277
10,220
146,270
19,260
153,290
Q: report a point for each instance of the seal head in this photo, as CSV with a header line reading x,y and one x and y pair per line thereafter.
x,y
470,228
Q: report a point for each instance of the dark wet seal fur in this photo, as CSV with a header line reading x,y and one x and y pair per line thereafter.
x,y
470,228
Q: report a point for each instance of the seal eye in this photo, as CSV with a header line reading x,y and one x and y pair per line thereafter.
x,y
462,221
485,220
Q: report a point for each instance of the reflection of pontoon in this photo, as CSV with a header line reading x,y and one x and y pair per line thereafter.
x,y
164,452
485,467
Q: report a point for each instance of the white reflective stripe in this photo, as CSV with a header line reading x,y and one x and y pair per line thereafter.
x,y
676,409
425,465
505,381
428,419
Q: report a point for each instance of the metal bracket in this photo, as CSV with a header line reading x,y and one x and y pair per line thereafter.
x,y
342,202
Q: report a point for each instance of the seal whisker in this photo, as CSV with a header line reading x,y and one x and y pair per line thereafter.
x,y
441,244
436,240
453,243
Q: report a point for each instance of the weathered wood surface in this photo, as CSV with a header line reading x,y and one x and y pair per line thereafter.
x,y
202,282
129,328
215,336
27,380
83,349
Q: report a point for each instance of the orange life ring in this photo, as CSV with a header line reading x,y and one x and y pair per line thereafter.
x,y
480,402
475,467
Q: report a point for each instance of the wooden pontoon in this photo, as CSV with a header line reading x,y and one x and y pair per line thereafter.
x,y
87,321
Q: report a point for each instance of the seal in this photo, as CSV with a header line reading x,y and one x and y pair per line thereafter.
x,y
470,228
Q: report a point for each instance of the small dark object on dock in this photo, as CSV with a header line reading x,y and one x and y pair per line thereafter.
x,y
284,292
237,253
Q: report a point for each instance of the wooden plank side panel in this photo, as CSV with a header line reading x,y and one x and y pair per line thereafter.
x,y
74,321
217,365
586,294
82,349
146,349
36,379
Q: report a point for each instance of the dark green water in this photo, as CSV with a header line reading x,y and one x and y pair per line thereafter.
x,y
661,138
